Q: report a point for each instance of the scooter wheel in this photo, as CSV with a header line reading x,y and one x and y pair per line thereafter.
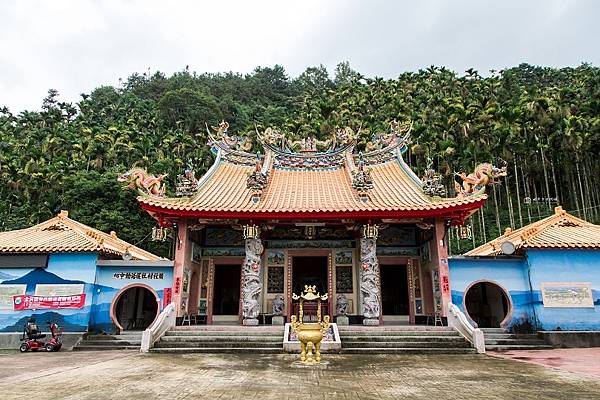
x,y
49,347
23,348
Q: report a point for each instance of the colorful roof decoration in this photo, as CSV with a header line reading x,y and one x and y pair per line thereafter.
x,y
64,235
560,230
310,178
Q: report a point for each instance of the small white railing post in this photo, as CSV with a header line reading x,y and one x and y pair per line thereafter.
x,y
164,322
459,322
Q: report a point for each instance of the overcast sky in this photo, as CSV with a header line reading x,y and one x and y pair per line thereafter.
x,y
75,46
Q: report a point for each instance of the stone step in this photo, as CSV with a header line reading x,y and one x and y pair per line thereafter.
x,y
498,330
193,345
407,350
409,338
396,344
517,347
104,348
399,334
113,337
222,338
111,342
222,333
513,341
217,350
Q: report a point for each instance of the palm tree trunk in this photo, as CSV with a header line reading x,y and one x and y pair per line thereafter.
x,y
518,193
546,179
527,194
583,202
510,205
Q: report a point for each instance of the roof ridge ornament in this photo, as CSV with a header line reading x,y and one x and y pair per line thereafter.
x,y
146,184
187,184
257,180
221,136
361,179
432,181
474,184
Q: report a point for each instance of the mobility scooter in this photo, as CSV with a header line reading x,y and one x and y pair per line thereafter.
x,y
33,333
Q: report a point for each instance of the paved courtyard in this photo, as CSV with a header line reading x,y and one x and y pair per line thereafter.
x,y
130,375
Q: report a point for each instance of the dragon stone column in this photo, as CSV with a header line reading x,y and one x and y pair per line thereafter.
x,y
251,285
370,288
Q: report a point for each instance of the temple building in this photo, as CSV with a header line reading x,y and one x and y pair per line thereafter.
x,y
360,226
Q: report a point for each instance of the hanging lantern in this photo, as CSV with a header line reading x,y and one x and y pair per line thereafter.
x,y
159,234
251,232
464,232
370,231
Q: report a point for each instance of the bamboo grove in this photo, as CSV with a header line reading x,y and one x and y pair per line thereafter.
x,y
544,122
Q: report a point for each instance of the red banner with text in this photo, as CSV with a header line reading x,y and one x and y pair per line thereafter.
x,y
27,302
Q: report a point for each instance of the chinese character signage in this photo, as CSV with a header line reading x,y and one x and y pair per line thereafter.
x,y
28,302
178,285
139,275
167,296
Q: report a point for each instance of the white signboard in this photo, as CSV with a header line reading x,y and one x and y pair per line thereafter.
x,y
6,294
567,294
61,289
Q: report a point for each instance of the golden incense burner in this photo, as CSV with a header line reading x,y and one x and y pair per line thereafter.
x,y
310,334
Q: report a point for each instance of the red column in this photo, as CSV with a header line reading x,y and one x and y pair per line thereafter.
x,y
442,263
181,252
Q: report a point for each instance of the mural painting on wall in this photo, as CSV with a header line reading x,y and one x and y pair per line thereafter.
x,y
196,252
299,233
275,257
52,294
397,236
223,252
275,279
567,294
343,279
397,251
309,244
343,257
223,237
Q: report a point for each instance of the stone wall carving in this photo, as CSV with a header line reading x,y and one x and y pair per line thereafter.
x,y
278,305
251,286
369,278
341,305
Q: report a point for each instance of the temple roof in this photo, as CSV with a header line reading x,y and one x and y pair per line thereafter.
x,y
285,183
64,235
559,231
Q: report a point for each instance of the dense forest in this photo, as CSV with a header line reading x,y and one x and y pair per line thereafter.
x,y
544,122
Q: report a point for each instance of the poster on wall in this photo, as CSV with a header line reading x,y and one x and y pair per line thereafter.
x,y
567,294
61,289
27,302
6,295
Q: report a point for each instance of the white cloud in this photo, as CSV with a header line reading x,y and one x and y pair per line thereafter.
x,y
75,46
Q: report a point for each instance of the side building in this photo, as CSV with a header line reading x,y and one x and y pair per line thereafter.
x,y
544,276
85,280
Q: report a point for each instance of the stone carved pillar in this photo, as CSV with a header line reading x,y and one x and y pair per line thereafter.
x,y
251,271
370,288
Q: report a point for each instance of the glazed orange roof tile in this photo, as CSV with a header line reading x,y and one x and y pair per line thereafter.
x,y
560,231
283,182
64,235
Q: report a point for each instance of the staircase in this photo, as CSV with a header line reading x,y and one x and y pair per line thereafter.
x,y
403,340
221,339
125,341
497,339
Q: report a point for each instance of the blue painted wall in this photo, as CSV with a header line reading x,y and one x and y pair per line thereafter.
x,y
107,287
511,274
62,268
569,265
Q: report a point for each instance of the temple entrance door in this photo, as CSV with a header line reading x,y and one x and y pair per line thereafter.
x,y
226,299
309,271
394,293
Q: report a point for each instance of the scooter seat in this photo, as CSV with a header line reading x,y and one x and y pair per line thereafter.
x,y
34,336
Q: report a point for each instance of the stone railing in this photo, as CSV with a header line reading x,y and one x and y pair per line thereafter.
x,y
459,322
164,322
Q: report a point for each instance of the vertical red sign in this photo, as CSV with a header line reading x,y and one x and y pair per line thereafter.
x,y
167,296
177,285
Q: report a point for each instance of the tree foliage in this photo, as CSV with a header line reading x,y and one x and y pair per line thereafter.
x,y
544,122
